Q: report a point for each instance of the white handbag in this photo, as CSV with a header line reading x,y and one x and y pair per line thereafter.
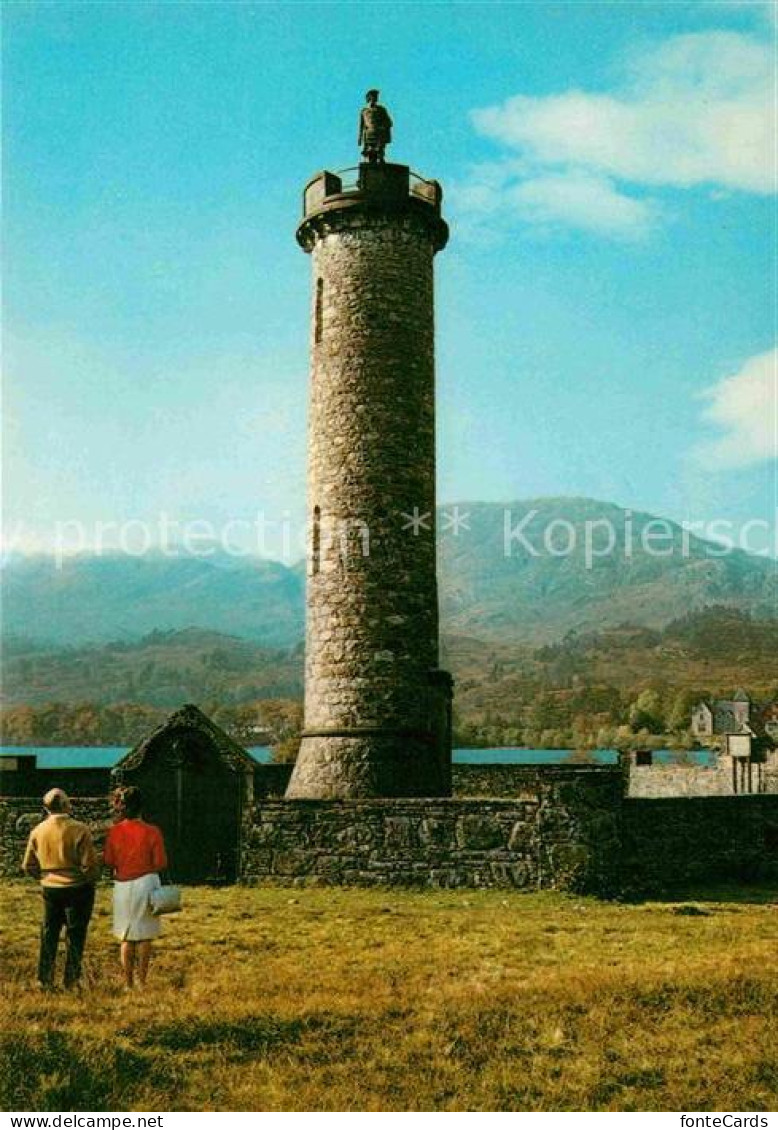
x,y
165,900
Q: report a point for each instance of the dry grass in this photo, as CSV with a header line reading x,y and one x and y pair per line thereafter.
x,y
278,999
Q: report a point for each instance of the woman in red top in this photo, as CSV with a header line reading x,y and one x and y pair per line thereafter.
x,y
136,852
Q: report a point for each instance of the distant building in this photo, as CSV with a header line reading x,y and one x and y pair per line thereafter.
x,y
768,718
721,715
746,765
746,761
702,720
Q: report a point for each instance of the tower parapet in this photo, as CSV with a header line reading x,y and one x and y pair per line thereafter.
x,y
377,706
370,191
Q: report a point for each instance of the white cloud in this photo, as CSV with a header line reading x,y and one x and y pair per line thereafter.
x,y
745,408
696,110
581,200
496,195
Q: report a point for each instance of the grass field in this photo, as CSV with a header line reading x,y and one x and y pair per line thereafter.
x,y
278,999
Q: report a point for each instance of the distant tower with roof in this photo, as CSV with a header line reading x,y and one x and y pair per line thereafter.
x,y
377,706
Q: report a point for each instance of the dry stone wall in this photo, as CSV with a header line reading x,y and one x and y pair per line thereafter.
x,y
562,834
560,827
655,781
19,815
513,780
726,777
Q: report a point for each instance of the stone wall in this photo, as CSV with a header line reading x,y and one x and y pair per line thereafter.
x,y
728,776
489,781
19,815
662,780
567,828
696,840
513,780
771,773
561,833
585,841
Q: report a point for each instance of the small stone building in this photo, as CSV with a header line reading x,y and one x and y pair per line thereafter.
x,y
746,765
198,786
722,715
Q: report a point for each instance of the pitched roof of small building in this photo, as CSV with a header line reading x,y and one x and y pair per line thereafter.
x,y
189,718
740,696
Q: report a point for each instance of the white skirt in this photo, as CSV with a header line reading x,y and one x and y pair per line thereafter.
x,y
132,919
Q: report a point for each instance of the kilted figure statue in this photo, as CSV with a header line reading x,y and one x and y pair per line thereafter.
x,y
375,129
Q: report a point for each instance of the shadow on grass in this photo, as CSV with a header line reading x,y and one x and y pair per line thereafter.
x,y
254,1036
52,1071
745,894
56,1071
736,996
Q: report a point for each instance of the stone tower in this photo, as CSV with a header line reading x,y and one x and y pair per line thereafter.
x,y
377,708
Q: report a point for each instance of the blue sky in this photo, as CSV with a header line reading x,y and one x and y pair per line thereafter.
x,y
606,305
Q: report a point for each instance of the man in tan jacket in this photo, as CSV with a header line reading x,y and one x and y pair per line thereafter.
x,y
60,853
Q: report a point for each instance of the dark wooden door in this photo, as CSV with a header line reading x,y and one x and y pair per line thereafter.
x,y
208,823
198,803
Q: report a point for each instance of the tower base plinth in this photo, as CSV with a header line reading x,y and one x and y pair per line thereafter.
x,y
370,763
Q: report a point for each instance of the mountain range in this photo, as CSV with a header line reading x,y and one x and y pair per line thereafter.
x,y
518,573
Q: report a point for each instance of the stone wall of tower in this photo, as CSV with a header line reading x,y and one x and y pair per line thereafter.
x,y
372,699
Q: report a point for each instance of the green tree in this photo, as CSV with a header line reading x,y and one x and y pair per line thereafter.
x,y
544,712
645,713
679,715
284,719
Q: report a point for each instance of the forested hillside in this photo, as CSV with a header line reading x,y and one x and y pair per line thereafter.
x,y
580,690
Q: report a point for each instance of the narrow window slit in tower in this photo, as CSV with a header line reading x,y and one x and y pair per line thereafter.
x,y
316,540
317,332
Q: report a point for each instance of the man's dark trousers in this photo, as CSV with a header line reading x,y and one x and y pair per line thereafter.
x,y
70,907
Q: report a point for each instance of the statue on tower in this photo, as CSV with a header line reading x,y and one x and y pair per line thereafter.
x,y
375,129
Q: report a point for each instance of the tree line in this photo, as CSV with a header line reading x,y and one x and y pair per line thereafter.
x,y
586,718
273,722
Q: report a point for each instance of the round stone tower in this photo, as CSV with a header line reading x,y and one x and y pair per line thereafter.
x,y
377,708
